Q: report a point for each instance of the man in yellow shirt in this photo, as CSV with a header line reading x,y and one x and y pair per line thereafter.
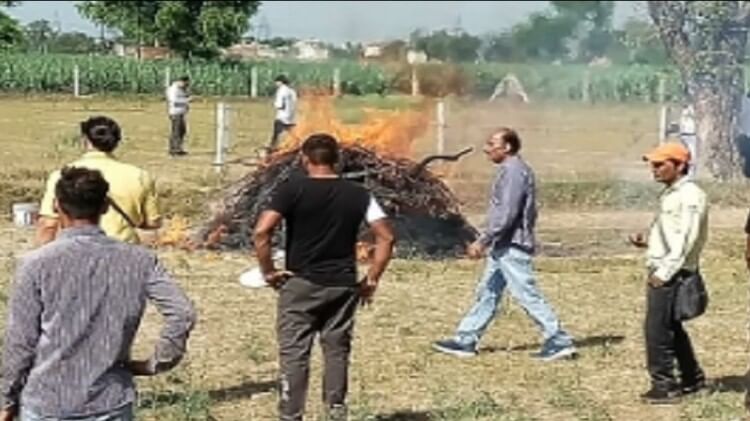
x,y
134,202
674,246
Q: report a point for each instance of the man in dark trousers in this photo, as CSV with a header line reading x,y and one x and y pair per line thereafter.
x,y
74,312
673,248
319,290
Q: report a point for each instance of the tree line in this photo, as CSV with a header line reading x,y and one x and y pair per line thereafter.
x,y
567,31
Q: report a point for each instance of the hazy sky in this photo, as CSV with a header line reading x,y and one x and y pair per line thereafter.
x,y
339,21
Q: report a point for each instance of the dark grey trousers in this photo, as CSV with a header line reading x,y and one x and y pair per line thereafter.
x,y
304,310
177,134
278,128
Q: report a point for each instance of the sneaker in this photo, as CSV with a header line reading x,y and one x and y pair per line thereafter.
x,y
693,387
337,413
661,396
453,347
555,352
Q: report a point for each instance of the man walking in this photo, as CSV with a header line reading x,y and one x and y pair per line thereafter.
x,y
178,100
674,245
132,191
318,291
74,311
285,104
508,243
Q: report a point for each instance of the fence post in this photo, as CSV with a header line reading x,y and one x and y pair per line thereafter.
x,y
414,81
440,127
220,131
76,81
662,89
663,124
254,82
586,87
337,82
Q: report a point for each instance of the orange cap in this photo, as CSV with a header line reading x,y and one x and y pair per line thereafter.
x,y
667,151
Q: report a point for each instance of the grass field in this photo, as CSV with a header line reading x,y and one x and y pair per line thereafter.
x,y
589,274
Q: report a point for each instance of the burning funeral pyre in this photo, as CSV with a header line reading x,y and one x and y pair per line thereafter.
x,y
424,212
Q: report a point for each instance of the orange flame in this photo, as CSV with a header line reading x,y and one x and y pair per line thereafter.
x,y
384,132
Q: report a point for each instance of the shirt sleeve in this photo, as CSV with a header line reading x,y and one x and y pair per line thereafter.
x,y
278,101
680,233
283,200
506,201
179,316
150,205
374,211
47,207
22,333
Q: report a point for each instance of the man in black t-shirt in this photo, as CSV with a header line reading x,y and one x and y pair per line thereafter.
x,y
319,291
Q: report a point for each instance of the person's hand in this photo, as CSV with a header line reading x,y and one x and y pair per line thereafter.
x,y
277,278
638,240
367,288
655,282
8,414
475,250
139,368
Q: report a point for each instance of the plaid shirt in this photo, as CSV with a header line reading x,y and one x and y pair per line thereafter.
x,y
73,314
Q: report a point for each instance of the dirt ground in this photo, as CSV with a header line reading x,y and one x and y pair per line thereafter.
x,y
587,271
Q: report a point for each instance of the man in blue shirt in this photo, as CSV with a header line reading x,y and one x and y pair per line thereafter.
x,y
508,243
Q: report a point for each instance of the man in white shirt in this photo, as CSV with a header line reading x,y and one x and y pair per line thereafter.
x,y
285,103
178,99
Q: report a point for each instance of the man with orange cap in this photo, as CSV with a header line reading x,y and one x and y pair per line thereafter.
x,y
673,249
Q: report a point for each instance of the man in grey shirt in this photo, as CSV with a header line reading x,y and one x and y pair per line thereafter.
x,y
74,311
508,243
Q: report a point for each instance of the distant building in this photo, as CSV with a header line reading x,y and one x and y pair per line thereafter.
x,y
372,51
416,57
312,50
147,52
252,50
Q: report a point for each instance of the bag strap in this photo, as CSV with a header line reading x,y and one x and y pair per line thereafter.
x,y
122,213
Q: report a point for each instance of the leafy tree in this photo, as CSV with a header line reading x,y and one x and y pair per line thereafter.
x,y
11,34
189,27
39,34
447,46
707,42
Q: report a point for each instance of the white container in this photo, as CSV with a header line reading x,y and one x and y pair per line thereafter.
x,y
25,214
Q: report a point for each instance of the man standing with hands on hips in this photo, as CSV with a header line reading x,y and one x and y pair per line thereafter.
x,y
318,291
673,249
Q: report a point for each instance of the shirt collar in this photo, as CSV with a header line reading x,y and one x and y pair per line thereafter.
x,y
81,231
677,184
97,155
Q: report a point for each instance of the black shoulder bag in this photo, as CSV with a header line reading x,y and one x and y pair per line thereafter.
x,y
691,296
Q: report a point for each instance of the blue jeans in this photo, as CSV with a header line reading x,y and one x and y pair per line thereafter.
x,y
513,268
120,414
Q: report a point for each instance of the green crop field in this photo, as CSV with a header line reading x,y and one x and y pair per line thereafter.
x,y
113,75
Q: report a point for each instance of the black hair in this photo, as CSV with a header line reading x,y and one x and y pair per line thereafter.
x,y
184,79
82,193
282,78
685,168
103,133
321,149
510,137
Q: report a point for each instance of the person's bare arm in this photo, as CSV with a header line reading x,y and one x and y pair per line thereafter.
x,y
384,241
262,235
46,230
